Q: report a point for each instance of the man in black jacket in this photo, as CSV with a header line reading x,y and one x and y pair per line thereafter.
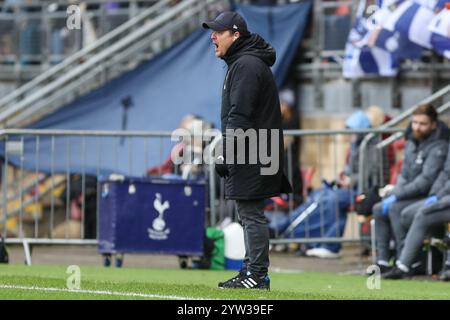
x,y
250,104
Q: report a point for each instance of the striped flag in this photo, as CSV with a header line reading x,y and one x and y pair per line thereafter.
x,y
440,33
365,61
405,31
360,60
434,5
411,19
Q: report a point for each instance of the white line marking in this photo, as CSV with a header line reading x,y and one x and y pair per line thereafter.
x,y
279,270
100,292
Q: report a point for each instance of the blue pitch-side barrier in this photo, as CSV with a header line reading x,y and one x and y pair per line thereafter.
x,y
143,215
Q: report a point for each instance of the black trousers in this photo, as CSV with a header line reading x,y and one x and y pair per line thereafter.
x,y
256,235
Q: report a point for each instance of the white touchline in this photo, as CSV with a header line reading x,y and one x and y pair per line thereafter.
x,y
100,292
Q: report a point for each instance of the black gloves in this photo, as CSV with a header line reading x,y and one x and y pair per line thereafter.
x,y
221,168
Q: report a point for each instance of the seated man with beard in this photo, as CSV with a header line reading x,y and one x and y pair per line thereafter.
x,y
425,154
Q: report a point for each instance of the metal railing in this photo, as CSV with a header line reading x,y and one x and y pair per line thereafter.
x,y
97,64
83,54
34,36
41,33
328,148
41,166
61,154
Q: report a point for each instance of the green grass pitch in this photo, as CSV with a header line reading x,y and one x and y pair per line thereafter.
x,y
50,282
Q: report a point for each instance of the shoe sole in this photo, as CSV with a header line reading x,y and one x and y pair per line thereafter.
x,y
224,288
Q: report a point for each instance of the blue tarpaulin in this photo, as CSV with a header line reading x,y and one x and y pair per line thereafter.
x,y
185,79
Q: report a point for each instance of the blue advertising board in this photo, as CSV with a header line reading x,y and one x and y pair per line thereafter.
x,y
147,215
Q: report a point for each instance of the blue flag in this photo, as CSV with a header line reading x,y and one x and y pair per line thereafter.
x,y
361,60
440,33
404,31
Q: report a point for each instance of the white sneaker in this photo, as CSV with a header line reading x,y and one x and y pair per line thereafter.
x,y
280,248
322,253
311,252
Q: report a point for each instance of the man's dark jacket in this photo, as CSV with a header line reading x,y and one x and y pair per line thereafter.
x,y
441,187
250,101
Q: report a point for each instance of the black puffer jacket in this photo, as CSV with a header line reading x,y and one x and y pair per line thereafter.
x,y
250,101
422,163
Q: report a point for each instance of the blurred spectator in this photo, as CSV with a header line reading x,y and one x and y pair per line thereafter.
x,y
378,161
88,200
30,41
6,37
80,198
64,42
356,121
343,8
337,27
195,147
348,179
59,33
290,121
89,32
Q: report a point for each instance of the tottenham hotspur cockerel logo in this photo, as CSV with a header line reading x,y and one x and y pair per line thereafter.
x,y
158,230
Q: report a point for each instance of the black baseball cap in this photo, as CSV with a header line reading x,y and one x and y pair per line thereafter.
x,y
227,20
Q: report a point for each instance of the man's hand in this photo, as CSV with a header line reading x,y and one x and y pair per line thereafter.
x,y
387,204
221,168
